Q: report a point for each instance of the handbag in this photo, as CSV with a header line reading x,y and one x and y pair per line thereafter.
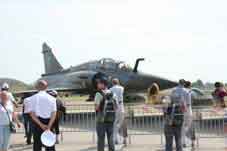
x,y
12,126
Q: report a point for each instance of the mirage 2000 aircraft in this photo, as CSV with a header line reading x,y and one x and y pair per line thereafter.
x,y
79,79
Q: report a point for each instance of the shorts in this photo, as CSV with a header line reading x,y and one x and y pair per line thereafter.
x,y
4,137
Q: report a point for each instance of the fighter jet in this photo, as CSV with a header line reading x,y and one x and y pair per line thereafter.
x,y
80,79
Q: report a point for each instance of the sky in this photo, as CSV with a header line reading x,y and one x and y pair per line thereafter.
x,y
178,38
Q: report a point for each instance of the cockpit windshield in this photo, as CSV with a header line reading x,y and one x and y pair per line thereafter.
x,y
109,63
107,60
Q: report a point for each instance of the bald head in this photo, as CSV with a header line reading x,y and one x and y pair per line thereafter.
x,y
41,85
116,81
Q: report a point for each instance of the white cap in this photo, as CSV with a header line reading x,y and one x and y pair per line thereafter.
x,y
5,86
53,92
48,138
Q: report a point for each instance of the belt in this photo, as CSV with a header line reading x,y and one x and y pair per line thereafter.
x,y
44,120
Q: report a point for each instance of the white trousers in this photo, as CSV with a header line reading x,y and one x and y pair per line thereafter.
x,y
118,137
188,119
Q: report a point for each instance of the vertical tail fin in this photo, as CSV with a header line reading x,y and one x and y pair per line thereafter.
x,y
51,63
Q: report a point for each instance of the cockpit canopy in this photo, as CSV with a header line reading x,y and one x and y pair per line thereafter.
x,y
109,63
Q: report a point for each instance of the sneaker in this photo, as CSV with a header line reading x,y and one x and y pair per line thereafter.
x,y
119,147
193,145
29,142
125,142
57,141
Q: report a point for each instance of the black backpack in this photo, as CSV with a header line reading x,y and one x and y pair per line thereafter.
x,y
107,110
174,115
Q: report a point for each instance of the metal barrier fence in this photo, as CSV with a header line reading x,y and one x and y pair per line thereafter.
x,y
143,120
209,123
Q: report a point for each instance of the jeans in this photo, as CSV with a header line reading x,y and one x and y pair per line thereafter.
x,y
4,137
173,132
102,130
28,127
37,146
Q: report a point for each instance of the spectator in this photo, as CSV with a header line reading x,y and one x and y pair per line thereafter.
x,y
27,121
7,115
105,106
42,110
5,87
120,125
219,94
61,110
174,117
188,128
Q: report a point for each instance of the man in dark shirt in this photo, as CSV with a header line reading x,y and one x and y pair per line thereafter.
x,y
27,121
60,111
219,94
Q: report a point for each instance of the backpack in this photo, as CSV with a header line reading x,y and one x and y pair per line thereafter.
x,y
107,111
174,115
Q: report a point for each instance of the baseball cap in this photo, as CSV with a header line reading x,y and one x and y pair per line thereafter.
x,y
5,86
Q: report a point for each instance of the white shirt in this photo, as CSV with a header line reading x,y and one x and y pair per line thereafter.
x,y
27,105
119,92
189,97
11,97
189,101
42,104
4,119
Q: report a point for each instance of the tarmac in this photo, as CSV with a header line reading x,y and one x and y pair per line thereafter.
x,y
83,141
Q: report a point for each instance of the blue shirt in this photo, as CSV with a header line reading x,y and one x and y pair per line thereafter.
x,y
180,95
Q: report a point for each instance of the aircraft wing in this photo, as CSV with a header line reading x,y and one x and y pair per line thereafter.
x,y
28,93
24,94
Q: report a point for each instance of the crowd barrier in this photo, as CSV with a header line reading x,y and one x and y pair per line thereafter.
x,y
209,123
143,120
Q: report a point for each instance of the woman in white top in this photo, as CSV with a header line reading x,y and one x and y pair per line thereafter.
x,y
6,116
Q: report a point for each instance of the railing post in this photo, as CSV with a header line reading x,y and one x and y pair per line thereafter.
x,y
130,139
62,138
225,127
93,137
197,126
162,142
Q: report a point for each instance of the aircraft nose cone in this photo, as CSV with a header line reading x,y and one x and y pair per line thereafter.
x,y
166,84
144,81
162,82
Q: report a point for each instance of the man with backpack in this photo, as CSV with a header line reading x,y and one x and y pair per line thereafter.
x,y
174,117
105,106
